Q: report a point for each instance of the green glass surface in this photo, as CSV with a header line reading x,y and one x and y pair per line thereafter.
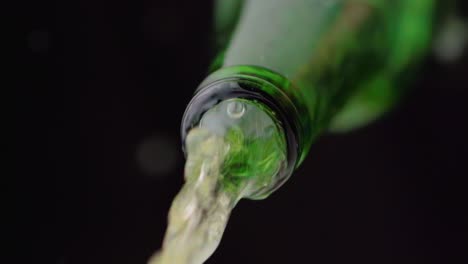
x,y
341,62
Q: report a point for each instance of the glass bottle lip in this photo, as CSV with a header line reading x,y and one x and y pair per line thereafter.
x,y
210,94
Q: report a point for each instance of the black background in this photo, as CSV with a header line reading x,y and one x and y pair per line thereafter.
x,y
104,85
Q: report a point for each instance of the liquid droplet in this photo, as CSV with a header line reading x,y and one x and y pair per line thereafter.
x,y
235,110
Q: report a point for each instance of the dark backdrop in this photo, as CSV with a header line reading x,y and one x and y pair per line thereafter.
x,y
103,88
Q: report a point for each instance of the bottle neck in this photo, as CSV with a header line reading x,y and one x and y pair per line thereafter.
x,y
261,87
308,66
346,60
318,55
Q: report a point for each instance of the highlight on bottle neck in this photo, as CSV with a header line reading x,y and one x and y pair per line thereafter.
x,y
262,137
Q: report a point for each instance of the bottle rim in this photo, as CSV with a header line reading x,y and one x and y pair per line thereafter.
x,y
246,87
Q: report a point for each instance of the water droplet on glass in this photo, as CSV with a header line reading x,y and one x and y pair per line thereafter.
x,y
235,110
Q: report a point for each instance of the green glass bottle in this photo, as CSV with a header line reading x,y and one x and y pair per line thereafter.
x,y
288,71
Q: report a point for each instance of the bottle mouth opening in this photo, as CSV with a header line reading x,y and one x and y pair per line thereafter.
x,y
212,94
